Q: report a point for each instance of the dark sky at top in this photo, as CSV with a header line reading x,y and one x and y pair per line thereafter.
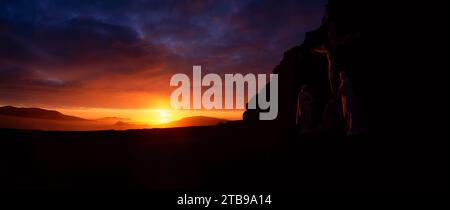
x,y
113,53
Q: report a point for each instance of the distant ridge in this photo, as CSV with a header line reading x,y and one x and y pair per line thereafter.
x,y
43,119
194,121
113,119
37,113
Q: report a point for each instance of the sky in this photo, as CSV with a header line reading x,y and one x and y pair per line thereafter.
x,y
115,57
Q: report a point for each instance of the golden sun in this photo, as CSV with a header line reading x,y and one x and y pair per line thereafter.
x,y
163,116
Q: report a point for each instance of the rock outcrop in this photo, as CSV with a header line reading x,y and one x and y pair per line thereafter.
x,y
326,71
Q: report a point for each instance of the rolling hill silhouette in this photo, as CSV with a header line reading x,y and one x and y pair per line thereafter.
x,y
113,119
43,119
37,113
194,121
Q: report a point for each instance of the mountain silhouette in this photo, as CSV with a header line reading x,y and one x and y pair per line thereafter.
x,y
113,119
194,121
37,113
43,119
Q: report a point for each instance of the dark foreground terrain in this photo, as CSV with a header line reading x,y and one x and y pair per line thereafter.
x,y
217,157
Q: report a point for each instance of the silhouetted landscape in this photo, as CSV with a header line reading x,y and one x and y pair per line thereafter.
x,y
42,119
343,125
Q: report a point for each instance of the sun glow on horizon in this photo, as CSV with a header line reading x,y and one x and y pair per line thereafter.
x,y
164,116
151,116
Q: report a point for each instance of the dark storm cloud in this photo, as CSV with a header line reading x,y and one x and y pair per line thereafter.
x,y
80,45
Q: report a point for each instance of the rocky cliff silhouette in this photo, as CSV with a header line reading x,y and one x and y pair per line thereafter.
x,y
326,70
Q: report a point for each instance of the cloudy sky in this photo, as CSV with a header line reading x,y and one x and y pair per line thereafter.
x,y
111,54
